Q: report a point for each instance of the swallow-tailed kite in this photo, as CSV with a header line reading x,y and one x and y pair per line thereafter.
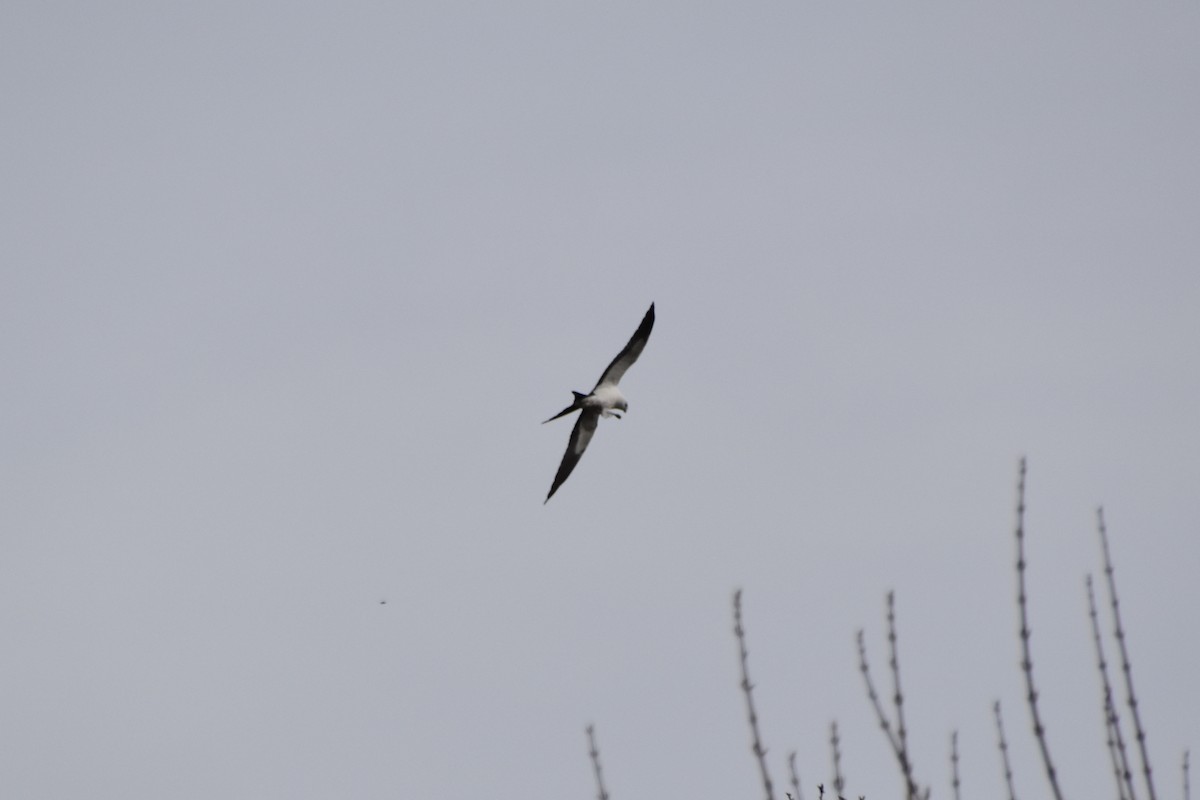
x,y
604,401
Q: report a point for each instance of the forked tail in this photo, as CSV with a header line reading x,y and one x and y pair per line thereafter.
x,y
576,404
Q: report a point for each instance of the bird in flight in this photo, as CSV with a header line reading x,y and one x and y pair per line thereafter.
x,y
604,401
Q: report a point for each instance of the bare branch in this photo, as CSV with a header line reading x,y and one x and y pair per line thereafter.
x,y
1039,730
884,724
1112,724
898,698
839,783
1008,776
1139,732
954,784
896,739
756,747
795,778
594,752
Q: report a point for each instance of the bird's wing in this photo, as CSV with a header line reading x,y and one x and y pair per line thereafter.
x,y
581,434
626,357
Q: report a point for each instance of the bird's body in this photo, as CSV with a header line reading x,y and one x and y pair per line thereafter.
x,y
608,397
605,400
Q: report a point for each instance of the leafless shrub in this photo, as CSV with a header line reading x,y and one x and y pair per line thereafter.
x,y
896,733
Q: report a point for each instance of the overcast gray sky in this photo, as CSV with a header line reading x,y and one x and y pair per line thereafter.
x,y
288,287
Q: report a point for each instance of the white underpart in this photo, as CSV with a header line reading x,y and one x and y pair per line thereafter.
x,y
606,398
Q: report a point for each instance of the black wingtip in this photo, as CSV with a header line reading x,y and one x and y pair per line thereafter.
x,y
648,320
647,323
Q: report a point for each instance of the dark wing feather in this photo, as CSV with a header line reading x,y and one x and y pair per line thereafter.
x,y
626,357
581,434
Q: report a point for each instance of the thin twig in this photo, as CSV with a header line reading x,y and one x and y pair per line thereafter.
x,y
884,724
898,697
1039,730
899,747
1111,735
1112,723
839,783
1187,789
756,747
594,752
1008,776
954,764
1139,732
795,778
